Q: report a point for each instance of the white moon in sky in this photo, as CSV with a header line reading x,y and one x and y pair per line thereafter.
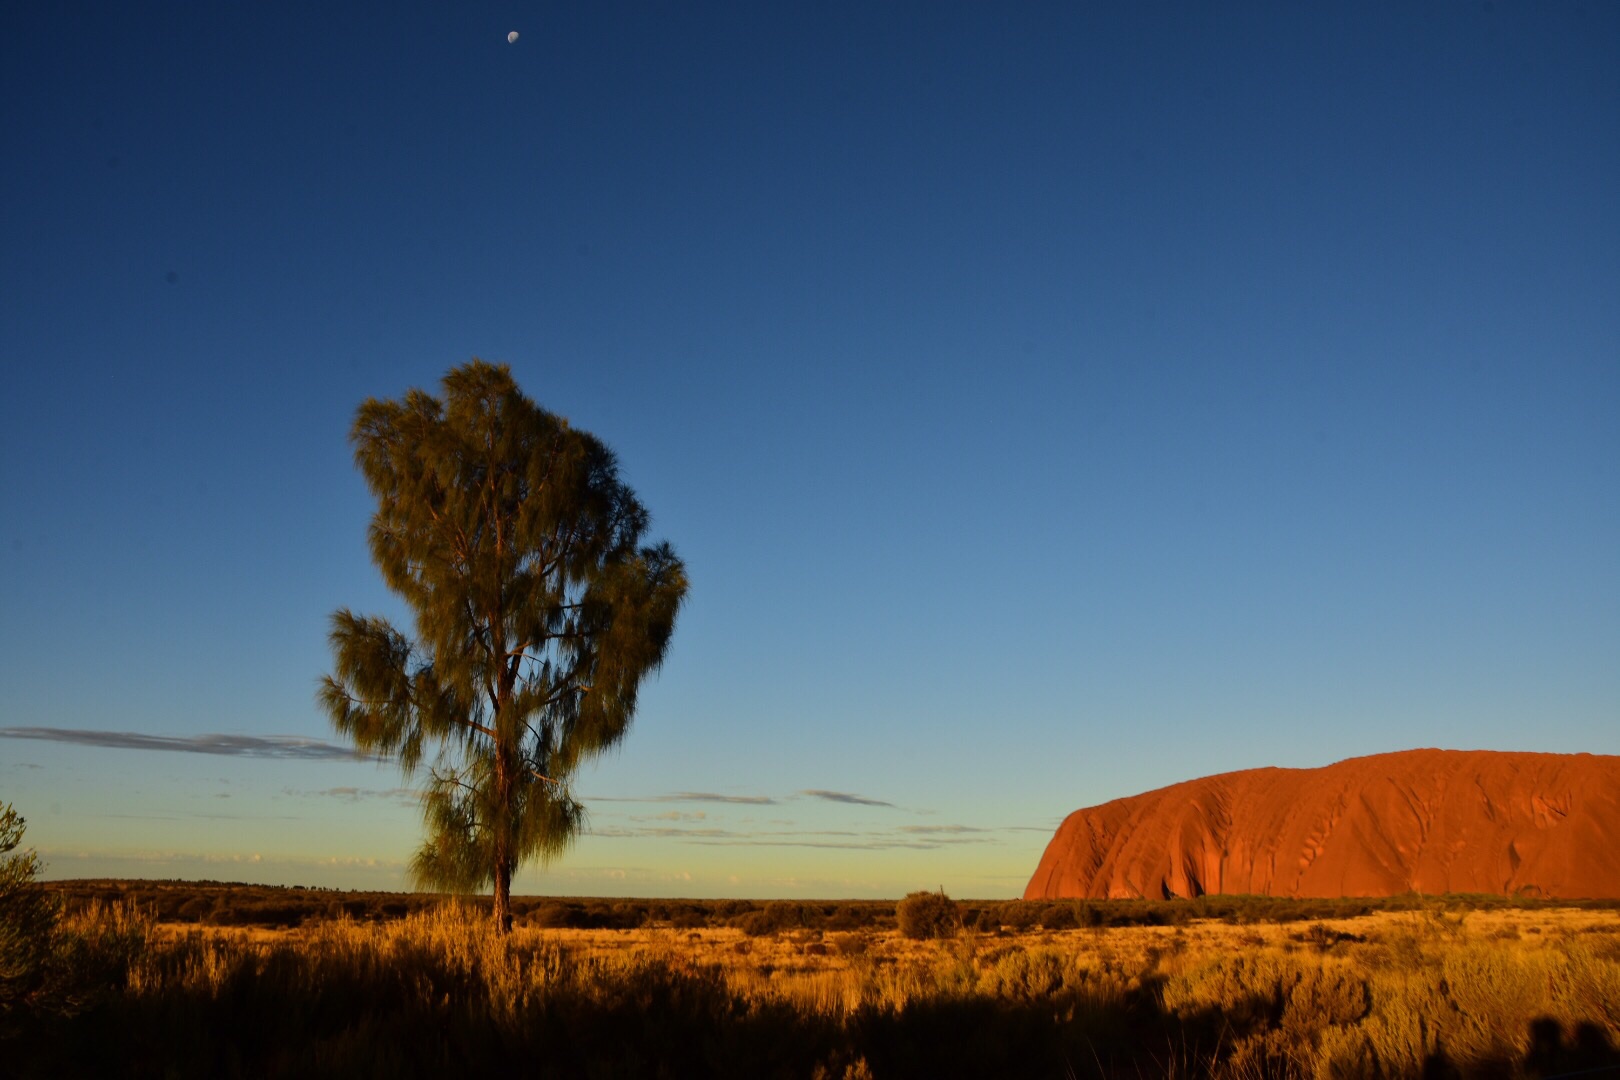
x,y
510,38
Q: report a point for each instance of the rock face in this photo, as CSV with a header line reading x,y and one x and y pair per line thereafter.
x,y
1430,821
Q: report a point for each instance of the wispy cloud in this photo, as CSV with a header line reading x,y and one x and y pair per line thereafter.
x,y
200,816
843,840
661,832
688,796
239,858
743,800
355,794
281,747
934,829
876,842
844,797
711,797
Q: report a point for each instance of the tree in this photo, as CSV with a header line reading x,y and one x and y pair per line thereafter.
x,y
538,611
27,920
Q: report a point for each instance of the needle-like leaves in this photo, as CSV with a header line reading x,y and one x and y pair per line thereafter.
x,y
538,612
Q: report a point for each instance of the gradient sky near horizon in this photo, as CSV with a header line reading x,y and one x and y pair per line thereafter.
x,y
1052,402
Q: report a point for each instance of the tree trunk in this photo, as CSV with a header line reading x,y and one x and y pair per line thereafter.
x,y
503,845
503,894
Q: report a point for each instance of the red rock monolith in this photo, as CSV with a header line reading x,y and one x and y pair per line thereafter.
x,y
1427,821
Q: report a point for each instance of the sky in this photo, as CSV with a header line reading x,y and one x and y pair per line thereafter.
x,y
1050,402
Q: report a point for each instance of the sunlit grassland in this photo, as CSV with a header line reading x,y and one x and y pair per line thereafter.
x,y
1510,992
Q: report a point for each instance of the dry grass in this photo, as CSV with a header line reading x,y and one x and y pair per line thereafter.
x,y
1502,992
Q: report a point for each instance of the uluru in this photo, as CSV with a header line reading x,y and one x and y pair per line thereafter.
x,y
1426,821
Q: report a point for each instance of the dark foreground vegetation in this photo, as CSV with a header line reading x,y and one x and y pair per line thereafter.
x,y
391,985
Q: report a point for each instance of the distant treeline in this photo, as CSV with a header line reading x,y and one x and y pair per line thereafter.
x,y
233,904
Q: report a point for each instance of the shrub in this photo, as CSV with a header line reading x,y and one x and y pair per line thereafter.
x,y
851,944
1059,917
556,916
985,922
847,917
925,915
787,915
27,919
778,915
1025,975
1021,915
262,913
754,924
730,909
195,909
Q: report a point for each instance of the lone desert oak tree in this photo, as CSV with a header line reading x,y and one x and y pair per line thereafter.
x,y
538,613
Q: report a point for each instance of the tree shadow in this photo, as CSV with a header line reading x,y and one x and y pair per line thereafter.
x,y
1554,1054
1551,1054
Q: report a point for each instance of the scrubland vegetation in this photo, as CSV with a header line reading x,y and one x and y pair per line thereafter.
x,y
279,907
1236,987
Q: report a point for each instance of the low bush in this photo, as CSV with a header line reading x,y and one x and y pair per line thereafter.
x,y
557,916
926,915
28,918
1059,917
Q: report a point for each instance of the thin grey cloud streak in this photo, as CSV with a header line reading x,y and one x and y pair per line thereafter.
x,y
744,800
812,838
844,797
705,796
277,747
688,796
408,796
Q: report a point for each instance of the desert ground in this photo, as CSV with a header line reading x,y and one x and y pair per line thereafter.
x,y
1236,987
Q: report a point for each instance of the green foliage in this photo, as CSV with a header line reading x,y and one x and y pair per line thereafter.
x,y
28,916
538,612
925,915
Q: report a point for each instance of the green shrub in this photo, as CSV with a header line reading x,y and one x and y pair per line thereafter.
x,y
27,919
925,915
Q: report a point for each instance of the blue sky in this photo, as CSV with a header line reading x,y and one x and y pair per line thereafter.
x,y
1051,403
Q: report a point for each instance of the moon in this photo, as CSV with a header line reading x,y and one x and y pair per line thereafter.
x,y
512,37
